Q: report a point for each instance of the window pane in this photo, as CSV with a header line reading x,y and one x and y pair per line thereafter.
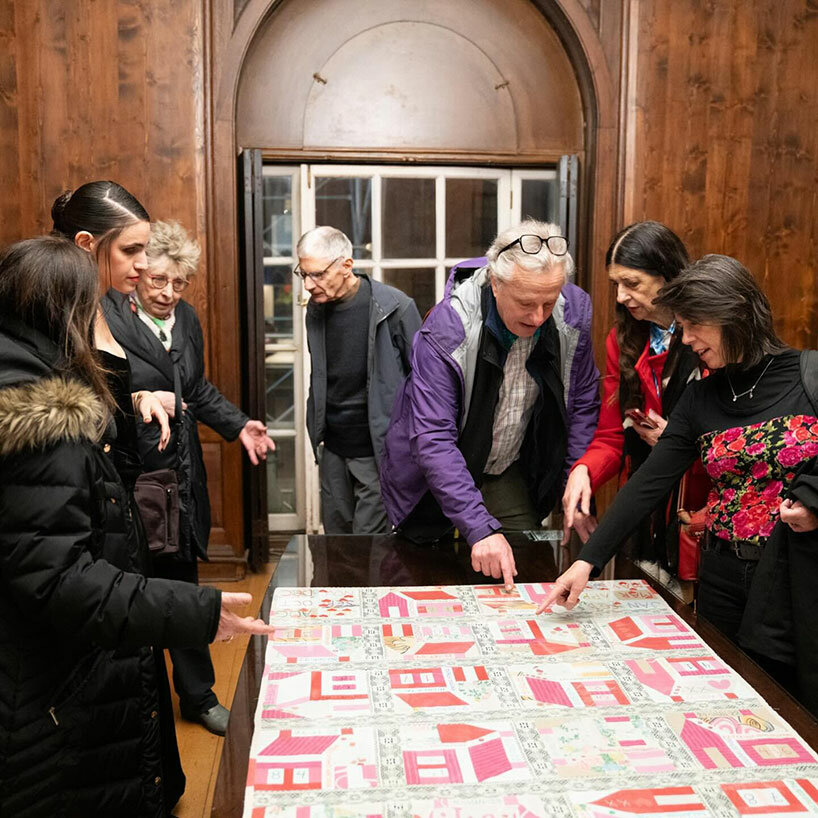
x,y
347,205
278,215
279,282
471,216
417,283
408,219
540,200
280,389
281,477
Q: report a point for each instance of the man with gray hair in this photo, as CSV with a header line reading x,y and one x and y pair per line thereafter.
x,y
503,397
359,333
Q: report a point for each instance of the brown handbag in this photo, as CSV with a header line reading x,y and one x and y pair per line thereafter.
x,y
157,494
157,497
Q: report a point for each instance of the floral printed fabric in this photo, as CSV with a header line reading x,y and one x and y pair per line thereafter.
x,y
751,468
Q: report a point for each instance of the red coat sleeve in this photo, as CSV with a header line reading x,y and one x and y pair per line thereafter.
x,y
603,457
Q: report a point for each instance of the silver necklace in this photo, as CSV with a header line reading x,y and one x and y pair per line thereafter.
x,y
749,391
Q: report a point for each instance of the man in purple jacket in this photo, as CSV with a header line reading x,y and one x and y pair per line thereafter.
x,y
502,398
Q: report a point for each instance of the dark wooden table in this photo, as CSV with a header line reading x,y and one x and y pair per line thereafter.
x,y
351,561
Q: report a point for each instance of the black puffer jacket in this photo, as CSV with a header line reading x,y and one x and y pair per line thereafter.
x,y
152,369
79,720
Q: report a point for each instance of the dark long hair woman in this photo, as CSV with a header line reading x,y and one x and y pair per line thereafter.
x,y
87,734
647,370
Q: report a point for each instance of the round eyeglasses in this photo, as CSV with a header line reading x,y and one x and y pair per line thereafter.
x,y
303,274
160,282
531,244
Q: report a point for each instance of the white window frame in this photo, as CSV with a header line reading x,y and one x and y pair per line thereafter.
x,y
292,521
509,203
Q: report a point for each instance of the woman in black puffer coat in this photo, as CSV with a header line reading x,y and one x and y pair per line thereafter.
x,y
80,731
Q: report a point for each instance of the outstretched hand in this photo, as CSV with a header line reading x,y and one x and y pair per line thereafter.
x,y
256,441
492,555
576,506
231,624
568,587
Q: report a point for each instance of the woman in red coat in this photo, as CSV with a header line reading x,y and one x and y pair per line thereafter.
x,y
646,371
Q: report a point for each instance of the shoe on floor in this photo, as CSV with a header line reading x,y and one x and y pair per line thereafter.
x,y
214,719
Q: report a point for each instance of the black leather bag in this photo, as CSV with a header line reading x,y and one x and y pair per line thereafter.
x,y
157,494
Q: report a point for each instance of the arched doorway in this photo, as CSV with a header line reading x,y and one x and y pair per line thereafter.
x,y
430,91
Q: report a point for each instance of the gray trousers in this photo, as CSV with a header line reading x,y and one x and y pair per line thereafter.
x,y
506,498
351,495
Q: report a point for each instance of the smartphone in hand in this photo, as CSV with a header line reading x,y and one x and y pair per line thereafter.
x,y
639,417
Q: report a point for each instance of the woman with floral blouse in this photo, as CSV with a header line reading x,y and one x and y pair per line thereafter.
x,y
754,426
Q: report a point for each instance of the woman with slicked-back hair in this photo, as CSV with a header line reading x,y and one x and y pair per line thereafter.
x,y
85,727
647,370
110,224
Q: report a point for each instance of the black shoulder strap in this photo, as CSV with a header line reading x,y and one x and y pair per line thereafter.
x,y
809,376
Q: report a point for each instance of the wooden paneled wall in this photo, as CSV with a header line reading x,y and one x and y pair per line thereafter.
x,y
717,135
115,89
725,132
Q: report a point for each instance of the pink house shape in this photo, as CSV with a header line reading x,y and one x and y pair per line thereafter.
x,y
424,687
762,750
285,772
488,759
393,605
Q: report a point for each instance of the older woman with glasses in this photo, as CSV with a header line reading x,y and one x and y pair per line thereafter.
x,y
163,340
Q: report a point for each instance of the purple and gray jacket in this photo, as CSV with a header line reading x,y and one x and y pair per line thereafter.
x,y
431,408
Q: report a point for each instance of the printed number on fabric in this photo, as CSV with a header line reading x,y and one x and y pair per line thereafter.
x,y
751,468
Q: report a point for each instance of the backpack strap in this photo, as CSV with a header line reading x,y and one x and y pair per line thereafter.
x,y
809,376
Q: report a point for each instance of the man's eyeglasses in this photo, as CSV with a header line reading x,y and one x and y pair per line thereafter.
x,y
531,244
160,282
303,274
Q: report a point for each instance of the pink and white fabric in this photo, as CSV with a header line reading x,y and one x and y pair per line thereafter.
x,y
460,701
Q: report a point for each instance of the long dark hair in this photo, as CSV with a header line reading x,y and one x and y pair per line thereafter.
x,y
655,249
720,290
52,286
103,209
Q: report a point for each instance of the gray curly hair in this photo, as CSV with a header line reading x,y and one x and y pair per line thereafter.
x,y
501,265
170,240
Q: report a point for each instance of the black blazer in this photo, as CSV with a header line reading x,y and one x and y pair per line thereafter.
x,y
152,369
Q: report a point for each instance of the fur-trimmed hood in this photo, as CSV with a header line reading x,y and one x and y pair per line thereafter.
x,y
42,413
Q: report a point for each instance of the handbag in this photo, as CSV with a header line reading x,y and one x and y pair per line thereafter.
x,y
157,497
157,494
690,535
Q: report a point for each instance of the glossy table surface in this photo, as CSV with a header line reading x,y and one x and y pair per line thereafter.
x,y
365,561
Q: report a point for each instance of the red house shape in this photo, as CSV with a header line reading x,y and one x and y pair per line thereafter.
x,y
788,802
673,633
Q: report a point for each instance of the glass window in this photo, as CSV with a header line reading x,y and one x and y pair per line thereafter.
x,y
540,200
278,215
279,284
280,391
281,477
471,216
417,283
408,218
346,204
